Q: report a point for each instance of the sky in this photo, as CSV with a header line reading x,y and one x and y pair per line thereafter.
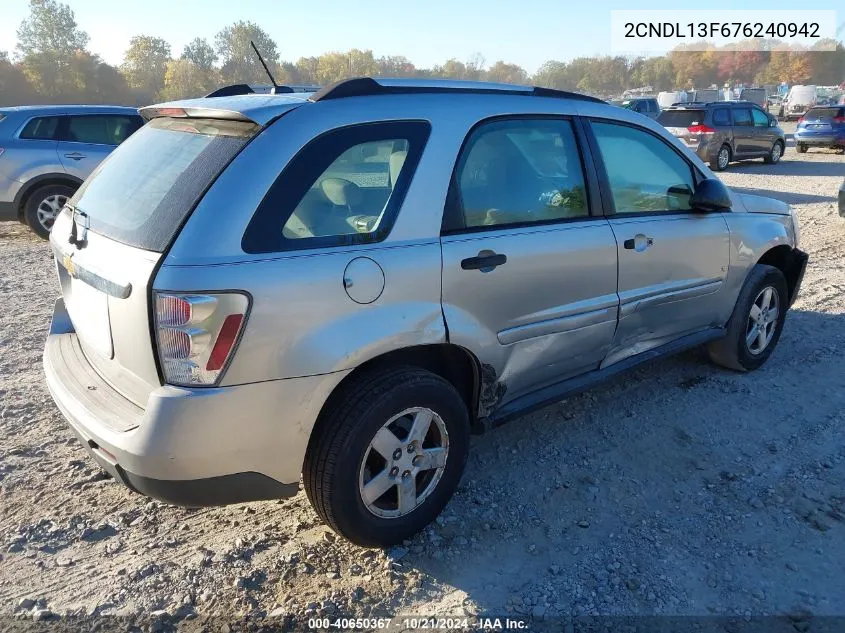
x,y
526,32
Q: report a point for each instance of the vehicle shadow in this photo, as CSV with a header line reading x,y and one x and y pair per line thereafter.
x,y
614,501
791,168
789,197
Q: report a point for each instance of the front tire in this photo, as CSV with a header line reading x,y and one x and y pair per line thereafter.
x,y
755,326
774,154
387,455
43,207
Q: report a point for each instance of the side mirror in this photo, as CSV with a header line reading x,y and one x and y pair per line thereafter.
x,y
710,195
773,122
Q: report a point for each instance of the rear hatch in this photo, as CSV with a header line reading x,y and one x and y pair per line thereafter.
x,y
109,239
822,121
687,124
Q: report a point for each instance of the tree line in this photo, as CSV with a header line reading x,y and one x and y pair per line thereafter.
x,y
52,64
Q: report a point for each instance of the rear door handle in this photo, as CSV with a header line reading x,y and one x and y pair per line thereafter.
x,y
638,243
485,261
75,156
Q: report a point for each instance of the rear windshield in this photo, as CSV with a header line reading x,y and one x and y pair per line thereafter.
x,y
143,192
681,118
824,113
707,95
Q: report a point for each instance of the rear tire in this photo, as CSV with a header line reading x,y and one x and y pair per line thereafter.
x,y
43,206
367,434
801,148
774,154
753,330
723,157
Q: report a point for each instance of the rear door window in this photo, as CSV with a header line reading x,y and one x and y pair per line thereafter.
x,y
721,116
345,187
99,129
742,117
514,173
41,128
141,194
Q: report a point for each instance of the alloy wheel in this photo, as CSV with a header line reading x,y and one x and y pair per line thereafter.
x,y
762,320
724,157
776,153
403,463
49,209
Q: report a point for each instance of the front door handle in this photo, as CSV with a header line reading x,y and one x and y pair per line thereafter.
x,y
638,243
485,261
75,156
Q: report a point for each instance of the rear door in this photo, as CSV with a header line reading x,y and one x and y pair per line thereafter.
x,y
86,140
529,269
672,261
123,218
745,143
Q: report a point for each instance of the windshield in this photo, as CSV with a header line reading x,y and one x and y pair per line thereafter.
x,y
142,193
681,118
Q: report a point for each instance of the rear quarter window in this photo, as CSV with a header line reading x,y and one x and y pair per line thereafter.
x,y
40,129
344,187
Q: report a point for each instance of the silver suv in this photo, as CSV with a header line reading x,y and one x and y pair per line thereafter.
x,y
342,285
47,151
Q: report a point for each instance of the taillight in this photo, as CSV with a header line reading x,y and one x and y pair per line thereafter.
x,y
196,334
800,119
836,119
701,129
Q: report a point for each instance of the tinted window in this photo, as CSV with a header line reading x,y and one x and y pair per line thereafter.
x,y
141,194
721,116
345,187
100,129
824,113
760,118
518,172
42,128
681,118
350,196
644,173
652,106
742,117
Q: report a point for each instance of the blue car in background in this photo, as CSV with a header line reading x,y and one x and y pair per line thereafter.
x,y
822,126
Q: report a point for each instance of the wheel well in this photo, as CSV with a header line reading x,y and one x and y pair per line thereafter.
x,y
451,362
782,258
44,182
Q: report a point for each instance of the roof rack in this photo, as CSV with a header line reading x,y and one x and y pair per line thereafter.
x,y
368,86
246,89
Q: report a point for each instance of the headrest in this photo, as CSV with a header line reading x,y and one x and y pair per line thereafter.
x,y
340,192
397,159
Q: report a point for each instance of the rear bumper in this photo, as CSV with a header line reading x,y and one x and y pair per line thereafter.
x,y
192,447
820,140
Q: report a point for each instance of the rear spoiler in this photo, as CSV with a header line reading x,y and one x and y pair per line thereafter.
x,y
154,112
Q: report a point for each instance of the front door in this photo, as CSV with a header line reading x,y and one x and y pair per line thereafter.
x,y
529,275
672,260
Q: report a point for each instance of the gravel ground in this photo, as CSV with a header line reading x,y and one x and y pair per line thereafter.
x,y
679,489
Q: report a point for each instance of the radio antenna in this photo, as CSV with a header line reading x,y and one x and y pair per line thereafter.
x,y
266,70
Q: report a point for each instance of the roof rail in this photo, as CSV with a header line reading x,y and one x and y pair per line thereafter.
x,y
246,89
368,86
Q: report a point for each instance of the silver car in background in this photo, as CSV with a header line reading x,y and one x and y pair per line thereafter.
x,y
341,286
47,151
